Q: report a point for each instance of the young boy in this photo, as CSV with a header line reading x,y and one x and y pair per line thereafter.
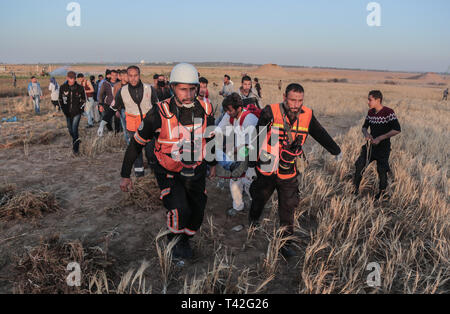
x,y
383,124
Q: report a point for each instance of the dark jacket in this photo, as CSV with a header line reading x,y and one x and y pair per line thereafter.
x,y
72,99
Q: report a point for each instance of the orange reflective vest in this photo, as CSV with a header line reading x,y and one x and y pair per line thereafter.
x,y
134,113
269,157
174,136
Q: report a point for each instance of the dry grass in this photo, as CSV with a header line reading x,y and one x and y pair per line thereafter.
x,y
43,269
26,204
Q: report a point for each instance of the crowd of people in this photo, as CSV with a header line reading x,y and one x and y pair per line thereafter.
x,y
171,123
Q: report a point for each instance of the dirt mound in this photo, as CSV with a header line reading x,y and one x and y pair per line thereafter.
x,y
271,70
428,78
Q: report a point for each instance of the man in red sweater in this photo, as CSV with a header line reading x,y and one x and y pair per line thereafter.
x,y
383,124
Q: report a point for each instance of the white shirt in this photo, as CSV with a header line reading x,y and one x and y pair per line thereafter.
x,y
55,92
243,133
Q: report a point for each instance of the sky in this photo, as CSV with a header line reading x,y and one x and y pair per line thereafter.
x,y
414,35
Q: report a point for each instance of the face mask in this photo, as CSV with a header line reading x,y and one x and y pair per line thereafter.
x,y
161,84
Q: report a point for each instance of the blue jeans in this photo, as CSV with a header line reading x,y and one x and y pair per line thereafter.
x,y
89,109
72,125
123,121
36,101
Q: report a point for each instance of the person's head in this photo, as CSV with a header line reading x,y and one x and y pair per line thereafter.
x,y
161,81
92,78
71,77
293,98
133,75
184,83
233,105
123,76
80,78
155,80
114,76
256,80
375,99
33,79
203,87
246,84
226,79
108,74
101,77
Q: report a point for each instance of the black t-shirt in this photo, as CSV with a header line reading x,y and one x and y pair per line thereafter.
x,y
381,123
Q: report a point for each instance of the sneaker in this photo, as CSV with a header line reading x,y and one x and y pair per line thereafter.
x,y
287,251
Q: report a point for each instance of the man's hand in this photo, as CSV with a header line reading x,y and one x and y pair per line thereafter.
x,y
212,172
369,137
126,185
376,141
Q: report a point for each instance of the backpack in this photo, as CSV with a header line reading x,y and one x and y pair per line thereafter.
x,y
250,109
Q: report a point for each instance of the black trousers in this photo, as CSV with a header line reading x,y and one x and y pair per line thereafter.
x,y
381,156
185,200
288,198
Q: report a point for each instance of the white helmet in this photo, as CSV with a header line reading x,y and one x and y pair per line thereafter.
x,y
184,73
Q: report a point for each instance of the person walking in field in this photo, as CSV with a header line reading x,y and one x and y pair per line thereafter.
x,y
445,95
14,80
280,85
249,97
258,87
53,87
136,100
179,124
106,98
95,110
72,98
384,125
228,86
89,90
288,125
35,93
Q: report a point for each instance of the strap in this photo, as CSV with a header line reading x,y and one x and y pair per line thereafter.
x,y
287,127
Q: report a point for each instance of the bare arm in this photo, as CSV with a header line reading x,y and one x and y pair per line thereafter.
x,y
385,136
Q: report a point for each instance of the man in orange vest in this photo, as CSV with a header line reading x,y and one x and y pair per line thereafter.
x,y
179,125
288,125
136,99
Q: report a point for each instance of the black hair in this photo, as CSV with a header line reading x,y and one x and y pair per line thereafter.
x,y
108,71
92,78
80,75
33,77
246,78
203,80
133,67
227,76
114,71
156,76
256,80
376,94
101,75
294,87
233,100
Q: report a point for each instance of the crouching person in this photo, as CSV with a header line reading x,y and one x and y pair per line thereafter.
x,y
288,125
179,124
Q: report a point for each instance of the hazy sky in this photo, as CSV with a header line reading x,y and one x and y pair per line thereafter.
x,y
414,35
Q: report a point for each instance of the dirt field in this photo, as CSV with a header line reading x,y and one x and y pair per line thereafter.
x,y
338,235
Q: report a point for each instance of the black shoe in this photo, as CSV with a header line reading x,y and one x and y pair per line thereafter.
x,y
287,251
187,250
381,195
76,147
253,223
